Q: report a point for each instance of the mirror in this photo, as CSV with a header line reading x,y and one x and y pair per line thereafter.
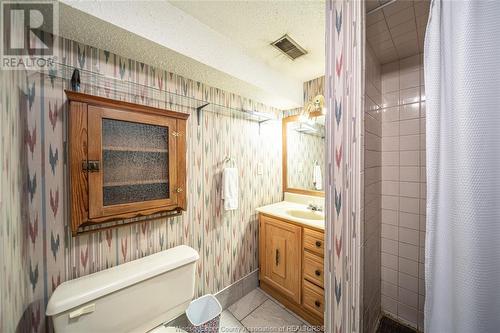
x,y
304,154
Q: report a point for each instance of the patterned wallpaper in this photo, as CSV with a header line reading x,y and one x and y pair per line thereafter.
x,y
313,88
344,97
303,149
39,252
15,289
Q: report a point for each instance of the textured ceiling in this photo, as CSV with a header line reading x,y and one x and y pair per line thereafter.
x,y
397,31
163,35
255,24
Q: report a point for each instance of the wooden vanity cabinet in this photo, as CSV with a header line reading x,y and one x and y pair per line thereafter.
x,y
291,266
125,160
280,244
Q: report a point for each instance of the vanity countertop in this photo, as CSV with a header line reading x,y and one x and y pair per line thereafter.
x,y
295,212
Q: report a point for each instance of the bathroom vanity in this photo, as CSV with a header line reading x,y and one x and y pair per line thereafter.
x,y
291,247
291,232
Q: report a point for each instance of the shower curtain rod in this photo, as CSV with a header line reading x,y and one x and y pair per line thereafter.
x,y
376,9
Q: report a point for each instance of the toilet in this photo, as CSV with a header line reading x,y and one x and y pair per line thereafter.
x,y
138,296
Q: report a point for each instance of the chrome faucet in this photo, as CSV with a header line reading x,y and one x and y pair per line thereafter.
x,y
315,208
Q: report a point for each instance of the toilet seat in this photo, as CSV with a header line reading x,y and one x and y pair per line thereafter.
x,y
164,329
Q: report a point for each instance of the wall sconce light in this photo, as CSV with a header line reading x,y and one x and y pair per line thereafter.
x,y
316,104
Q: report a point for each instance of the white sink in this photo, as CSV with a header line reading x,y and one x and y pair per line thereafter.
x,y
306,214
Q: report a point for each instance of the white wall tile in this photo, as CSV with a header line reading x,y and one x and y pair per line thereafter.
x,y
409,173
409,79
407,314
390,173
389,261
408,298
390,82
389,290
391,276
390,188
390,99
391,128
408,142
409,127
389,231
408,220
391,143
408,282
389,217
391,247
409,236
409,205
410,95
409,111
403,178
390,305
390,202
390,158
407,251
409,267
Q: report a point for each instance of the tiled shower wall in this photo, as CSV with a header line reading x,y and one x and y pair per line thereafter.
x,y
39,252
372,138
403,190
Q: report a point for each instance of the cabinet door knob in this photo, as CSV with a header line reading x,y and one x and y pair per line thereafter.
x,y
178,190
317,303
318,244
317,272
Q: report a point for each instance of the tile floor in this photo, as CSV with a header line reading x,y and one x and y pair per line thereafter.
x,y
256,312
259,312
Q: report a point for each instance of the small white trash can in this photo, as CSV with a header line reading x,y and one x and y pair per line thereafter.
x,y
204,315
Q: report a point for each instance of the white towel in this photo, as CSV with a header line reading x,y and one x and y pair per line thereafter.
x,y
317,179
230,190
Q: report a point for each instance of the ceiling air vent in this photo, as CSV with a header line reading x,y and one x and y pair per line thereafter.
x,y
289,47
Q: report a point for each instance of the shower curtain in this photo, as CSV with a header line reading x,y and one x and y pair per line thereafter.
x,y
462,83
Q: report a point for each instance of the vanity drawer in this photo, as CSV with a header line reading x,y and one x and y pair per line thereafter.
x,y
314,241
313,299
313,269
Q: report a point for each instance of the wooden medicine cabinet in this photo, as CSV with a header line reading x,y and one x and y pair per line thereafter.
x,y
125,160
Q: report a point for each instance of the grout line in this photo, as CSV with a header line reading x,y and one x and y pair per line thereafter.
x,y
287,310
258,306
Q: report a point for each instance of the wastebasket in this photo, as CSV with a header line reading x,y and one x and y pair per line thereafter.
x,y
204,315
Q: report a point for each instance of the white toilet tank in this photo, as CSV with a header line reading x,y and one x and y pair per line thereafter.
x,y
133,297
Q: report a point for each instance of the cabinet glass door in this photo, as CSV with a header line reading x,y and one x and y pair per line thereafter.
x,y
134,162
136,154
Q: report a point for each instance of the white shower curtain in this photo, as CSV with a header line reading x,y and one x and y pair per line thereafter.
x,y
462,83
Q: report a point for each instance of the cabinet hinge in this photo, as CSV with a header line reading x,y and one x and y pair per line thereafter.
x,y
176,134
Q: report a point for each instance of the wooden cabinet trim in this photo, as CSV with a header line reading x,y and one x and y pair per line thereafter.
x,y
288,279
314,241
87,206
314,269
314,299
121,105
77,152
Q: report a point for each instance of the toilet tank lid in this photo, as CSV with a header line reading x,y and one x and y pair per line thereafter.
x,y
85,289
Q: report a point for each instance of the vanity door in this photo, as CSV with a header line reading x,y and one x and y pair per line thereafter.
x,y
280,256
131,162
